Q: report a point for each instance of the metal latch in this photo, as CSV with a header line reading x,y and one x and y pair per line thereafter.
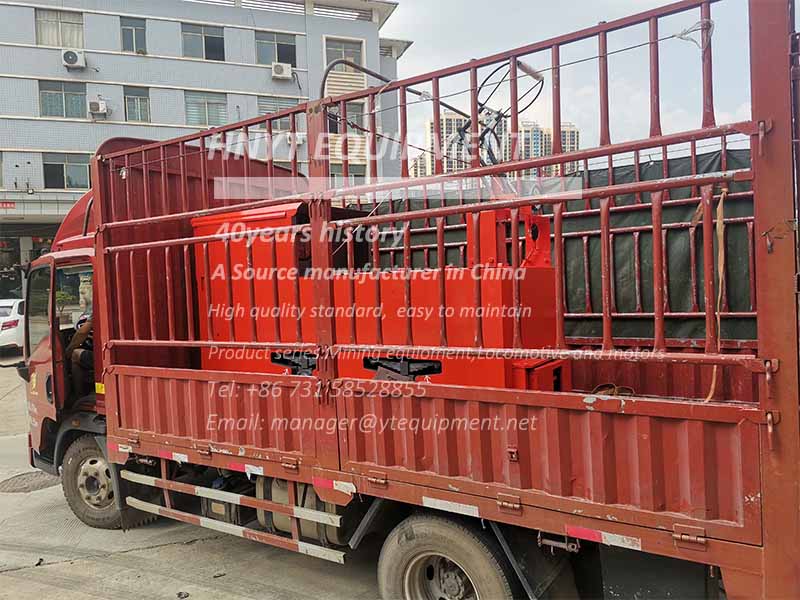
x,y
133,441
289,463
509,502
688,537
377,478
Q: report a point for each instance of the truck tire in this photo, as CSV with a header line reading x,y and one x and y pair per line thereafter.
x,y
433,557
86,481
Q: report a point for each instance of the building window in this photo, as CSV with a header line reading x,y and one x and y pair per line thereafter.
x,y
270,104
62,99
66,171
137,104
134,35
275,47
206,109
200,41
356,121
336,49
59,28
358,174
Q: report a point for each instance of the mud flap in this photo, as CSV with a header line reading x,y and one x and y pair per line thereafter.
x,y
120,486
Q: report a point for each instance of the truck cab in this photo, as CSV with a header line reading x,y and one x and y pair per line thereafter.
x,y
59,291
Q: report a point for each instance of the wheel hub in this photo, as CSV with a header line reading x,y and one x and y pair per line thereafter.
x,y
454,582
436,577
94,483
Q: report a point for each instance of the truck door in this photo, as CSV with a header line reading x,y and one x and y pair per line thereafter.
x,y
39,351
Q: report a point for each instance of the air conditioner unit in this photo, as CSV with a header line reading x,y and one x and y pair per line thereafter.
x,y
98,107
282,70
73,59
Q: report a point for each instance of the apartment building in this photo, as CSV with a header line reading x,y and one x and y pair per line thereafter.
x,y
533,141
77,72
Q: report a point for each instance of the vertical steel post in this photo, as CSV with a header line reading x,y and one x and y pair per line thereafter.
x,y
773,186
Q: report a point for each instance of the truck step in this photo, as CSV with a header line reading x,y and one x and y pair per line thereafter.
x,y
239,531
299,512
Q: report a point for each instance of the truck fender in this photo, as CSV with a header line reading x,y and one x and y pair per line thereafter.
x,y
72,427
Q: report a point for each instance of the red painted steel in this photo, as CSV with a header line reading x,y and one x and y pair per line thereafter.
x,y
642,464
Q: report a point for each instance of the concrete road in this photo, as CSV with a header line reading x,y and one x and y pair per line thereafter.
x,y
45,550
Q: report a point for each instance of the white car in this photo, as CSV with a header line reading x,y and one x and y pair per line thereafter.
x,y
12,324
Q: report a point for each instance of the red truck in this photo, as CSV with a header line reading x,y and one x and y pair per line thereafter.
x,y
525,392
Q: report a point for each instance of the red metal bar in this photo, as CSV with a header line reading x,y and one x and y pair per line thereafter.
x,y
293,149
207,290
376,270
246,157
438,166
345,143
204,173
251,290
119,325
587,275
168,268
605,131
747,361
128,211
709,120
441,259
403,133
605,272
132,278
708,268
659,343
613,270
475,244
270,161
146,185
474,149
188,287
351,287
556,74
751,255
655,82
407,266
229,289
163,165
373,140
637,270
515,265
774,188
184,177
273,249
514,84
151,295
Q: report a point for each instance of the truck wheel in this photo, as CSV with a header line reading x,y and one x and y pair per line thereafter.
x,y
429,557
86,481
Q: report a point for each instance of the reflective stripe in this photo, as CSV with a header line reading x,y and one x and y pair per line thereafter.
x,y
601,537
320,552
453,507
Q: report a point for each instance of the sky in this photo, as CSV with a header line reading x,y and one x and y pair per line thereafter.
x,y
447,32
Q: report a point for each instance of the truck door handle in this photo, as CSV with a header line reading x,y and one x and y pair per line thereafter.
x,y
48,388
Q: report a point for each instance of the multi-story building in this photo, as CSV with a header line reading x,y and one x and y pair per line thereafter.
x,y
536,141
78,72
533,141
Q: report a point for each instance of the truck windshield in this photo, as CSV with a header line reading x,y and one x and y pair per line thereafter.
x,y
73,294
